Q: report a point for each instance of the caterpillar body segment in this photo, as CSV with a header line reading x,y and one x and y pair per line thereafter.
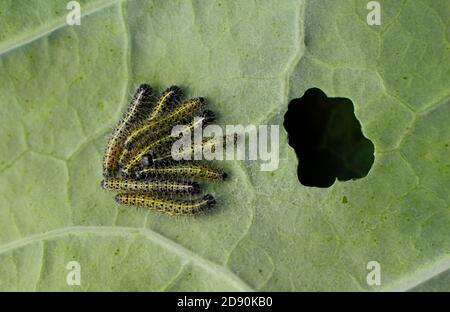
x,y
167,205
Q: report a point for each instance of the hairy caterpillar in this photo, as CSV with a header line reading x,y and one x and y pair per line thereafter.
x,y
114,146
151,186
184,169
166,205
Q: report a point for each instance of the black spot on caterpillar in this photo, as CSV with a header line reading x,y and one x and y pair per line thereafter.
x,y
138,106
151,186
166,205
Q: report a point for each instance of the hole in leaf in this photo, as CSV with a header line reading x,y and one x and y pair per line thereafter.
x,y
327,139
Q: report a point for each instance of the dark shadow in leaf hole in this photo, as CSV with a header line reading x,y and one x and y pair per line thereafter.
x,y
327,139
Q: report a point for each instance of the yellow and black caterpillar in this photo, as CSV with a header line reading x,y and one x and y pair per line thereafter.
x,y
137,162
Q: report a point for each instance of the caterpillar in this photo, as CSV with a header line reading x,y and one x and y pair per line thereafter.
x,y
166,205
152,186
186,169
134,112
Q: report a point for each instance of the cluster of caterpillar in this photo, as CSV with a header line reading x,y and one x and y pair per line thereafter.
x,y
138,163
